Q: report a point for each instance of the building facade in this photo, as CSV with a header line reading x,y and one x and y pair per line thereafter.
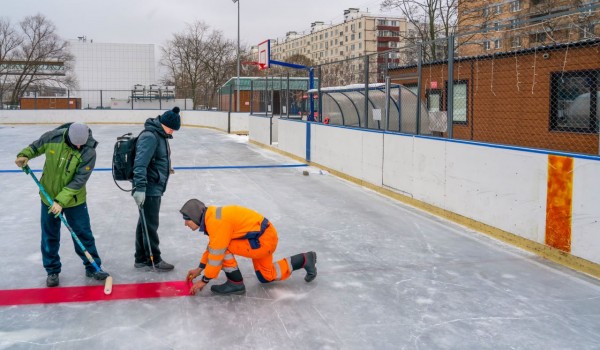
x,y
506,25
360,34
111,68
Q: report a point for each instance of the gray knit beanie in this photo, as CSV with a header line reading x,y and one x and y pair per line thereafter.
x,y
78,134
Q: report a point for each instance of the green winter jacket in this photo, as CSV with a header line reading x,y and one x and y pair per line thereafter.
x,y
66,169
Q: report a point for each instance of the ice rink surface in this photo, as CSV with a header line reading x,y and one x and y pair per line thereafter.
x,y
389,276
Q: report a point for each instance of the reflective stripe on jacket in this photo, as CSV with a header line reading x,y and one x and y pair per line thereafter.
x,y
223,224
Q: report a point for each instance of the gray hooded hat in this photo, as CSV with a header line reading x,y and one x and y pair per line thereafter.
x,y
193,210
78,134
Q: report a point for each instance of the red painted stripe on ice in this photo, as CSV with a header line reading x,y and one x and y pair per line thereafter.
x,y
93,293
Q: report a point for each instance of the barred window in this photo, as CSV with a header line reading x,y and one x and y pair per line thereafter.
x,y
460,101
434,100
574,101
515,6
516,41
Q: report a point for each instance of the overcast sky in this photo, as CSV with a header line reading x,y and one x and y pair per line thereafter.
x,y
154,21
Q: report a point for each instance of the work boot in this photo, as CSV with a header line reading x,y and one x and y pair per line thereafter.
x,y
52,280
97,275
140,265
229,287
162,266
310,266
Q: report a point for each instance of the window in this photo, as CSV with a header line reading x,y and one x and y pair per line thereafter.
x,y
360,45
486,12
434,100
537,37
516,41
359,25
359,35
575,101
460,101
497,43
513,23
515,6
486,45
496,26
586,31
498,9
352,37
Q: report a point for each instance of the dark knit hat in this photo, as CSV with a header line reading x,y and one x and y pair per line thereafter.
x,y
171,119
193,210
78,134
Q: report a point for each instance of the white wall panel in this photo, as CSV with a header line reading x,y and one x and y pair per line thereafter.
x,y
398,166
585,222
499,187
259,129
340,149
429,159
372,157
239,121
292,137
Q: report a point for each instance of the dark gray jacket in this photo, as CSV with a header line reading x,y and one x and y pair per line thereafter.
x,y
152,159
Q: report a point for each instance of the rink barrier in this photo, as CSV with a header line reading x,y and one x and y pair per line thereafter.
x,y
504,192
498,190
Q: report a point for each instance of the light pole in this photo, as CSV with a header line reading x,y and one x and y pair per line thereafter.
x,y
238,59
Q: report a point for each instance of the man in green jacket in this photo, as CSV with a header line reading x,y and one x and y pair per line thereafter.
x,y
70,153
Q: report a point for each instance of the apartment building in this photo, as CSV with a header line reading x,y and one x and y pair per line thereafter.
x,y
358,35
488,26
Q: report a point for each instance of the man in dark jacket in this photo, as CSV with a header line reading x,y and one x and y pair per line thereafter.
x,y
151,170
70,152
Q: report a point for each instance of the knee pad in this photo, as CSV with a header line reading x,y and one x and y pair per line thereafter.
x,y
261,278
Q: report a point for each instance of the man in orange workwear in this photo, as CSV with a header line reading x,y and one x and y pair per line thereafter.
x,y
235,230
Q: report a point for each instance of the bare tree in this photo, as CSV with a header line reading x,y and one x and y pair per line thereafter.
x,y
198,61
35,45
432,21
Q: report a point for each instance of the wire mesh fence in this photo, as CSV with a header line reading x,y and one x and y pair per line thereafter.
x,y
528,79
518,73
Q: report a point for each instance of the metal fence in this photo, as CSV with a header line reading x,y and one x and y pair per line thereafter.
x,y
532,82
110,99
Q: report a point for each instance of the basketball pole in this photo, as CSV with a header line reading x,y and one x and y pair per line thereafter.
x,y
237,90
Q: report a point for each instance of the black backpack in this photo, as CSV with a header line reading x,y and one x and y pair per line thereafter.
x,y
123,158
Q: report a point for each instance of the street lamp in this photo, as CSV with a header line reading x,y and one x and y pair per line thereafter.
x,y
238,59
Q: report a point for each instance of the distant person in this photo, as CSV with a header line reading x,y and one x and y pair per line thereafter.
x,y
70,152
151,170
235,230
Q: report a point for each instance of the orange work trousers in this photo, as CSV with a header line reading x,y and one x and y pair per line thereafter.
x,y
262,258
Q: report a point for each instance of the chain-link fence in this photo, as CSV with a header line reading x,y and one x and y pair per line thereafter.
x,y
531,83
141,98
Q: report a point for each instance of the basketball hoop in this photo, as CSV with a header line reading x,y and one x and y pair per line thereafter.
x,y
261,66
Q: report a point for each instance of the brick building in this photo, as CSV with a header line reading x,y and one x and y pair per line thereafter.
x,y
544,97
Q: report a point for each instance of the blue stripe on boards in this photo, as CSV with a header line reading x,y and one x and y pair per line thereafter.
x,y
190,167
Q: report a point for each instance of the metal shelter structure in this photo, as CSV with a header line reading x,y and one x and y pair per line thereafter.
x,y
344,105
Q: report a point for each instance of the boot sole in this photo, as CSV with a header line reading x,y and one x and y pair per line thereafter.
x,y
232,293
311,277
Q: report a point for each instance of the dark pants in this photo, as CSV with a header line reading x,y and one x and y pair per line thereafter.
x,y
151,211
79,220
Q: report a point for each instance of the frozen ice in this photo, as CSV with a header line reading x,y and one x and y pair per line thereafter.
x,y
389,276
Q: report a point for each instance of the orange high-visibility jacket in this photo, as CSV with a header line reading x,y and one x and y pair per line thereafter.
x,y
223,224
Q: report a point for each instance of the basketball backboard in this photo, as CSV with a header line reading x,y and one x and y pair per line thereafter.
x,y
264,55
